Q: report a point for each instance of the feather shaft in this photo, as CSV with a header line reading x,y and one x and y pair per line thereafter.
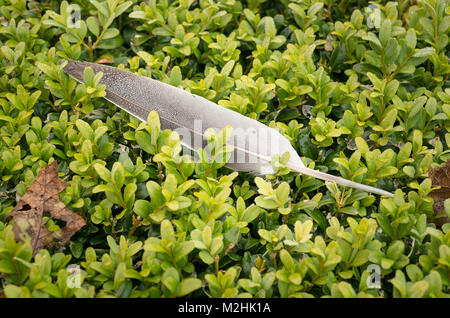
x,y
339,180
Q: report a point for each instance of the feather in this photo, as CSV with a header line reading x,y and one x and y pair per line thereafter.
x,y
190,115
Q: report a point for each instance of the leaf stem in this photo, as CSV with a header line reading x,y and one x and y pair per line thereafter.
x,y
136,222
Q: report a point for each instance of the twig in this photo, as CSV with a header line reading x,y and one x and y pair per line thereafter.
x,y
412,247
136,223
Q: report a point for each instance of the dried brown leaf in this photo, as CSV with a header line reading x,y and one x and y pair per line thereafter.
x,y
43,196
104,61
440,176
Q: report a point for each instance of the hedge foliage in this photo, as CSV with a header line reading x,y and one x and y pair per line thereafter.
x,y
360,89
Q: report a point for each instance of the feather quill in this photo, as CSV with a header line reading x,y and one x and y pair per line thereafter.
x,y
254,143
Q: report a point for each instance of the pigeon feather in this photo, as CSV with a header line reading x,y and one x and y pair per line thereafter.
x,y
190,115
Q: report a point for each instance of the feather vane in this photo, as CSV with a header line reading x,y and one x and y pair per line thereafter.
x,y
190,115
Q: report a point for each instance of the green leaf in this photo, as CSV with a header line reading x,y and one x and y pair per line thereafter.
x,y
251,213
385,32
424,52
12,291
188,285
7,267
118,175
346,290
167,232
206,257
104,173
125,289
233,235
390,90
286,259
101,7
102,188
171,279
184,249
414,272
143,208
110,33
86,131
418,290
385,224
411,38
93,25
409,171
76,249
144,141
111,43
266,203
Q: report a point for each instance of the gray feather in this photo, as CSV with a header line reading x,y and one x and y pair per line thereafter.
x,y
254,143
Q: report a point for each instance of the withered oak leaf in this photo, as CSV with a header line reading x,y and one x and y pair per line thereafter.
x,y
440,176
43,196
